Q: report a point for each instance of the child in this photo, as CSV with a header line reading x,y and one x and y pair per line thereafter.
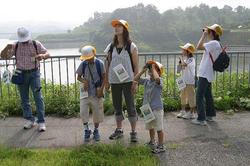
x,y
152,96
91,74
187,95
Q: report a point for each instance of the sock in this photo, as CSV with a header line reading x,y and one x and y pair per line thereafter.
x,y
86,126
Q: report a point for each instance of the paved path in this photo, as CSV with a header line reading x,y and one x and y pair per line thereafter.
x,y
224,142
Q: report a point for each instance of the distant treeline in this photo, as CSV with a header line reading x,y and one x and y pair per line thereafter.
x,y
153,31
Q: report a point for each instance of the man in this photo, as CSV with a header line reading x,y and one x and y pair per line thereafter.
x,y
28,55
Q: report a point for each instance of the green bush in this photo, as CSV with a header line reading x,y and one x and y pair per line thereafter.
x,y
223,103
171,104
64,100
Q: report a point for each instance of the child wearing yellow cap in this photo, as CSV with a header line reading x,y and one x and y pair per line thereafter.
x,y
91,74
187,94
152,95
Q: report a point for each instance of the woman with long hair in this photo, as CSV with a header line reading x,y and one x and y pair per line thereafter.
x,y
122,66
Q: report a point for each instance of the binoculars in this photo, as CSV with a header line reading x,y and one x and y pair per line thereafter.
x,y
149,66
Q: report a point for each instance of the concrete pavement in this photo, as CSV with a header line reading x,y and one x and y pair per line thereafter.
x,y
224,142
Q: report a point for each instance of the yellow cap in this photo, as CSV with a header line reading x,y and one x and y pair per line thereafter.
x,y
217,28
158,65
188,47
88,52
121,22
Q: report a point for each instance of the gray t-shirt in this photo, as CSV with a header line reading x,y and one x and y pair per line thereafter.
x,y
152,93
87,76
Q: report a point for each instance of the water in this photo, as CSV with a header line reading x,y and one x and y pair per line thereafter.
x,y
66,68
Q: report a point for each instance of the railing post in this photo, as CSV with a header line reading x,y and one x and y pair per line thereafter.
x,y
60,80
75,77
248,75
45,82
174,76
67,70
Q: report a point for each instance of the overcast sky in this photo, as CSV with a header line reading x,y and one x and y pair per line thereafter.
x,y
75,12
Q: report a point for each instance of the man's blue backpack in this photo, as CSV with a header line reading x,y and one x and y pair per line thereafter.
x,y
98,68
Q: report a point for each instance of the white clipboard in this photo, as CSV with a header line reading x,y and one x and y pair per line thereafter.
x,y
147,113
121,73
83,94
180,83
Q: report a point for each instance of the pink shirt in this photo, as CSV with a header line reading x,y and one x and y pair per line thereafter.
x,y
25,55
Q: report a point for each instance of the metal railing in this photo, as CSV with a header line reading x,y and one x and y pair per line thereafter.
x,y
60,70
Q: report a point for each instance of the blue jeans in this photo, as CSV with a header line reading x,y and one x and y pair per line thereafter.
x,y
204,90
32,80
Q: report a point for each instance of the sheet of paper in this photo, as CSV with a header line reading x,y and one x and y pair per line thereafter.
x,y
147,113
83,94
121,73
181,83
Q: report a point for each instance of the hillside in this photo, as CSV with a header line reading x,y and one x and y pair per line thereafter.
x,y
154,31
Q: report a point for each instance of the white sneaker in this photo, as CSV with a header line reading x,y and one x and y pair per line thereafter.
x,y
181,114
29,124
41,127
188,115
198,122
209,119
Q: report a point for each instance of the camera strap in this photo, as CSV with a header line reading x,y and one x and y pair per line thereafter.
x,y
91,75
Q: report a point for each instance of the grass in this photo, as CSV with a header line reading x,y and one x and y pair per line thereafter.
x,y
98,155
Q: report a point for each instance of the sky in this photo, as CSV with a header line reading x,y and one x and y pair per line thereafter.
x,y
75,12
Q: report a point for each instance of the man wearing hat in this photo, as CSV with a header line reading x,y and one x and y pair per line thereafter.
x,y
28,54
209,42
91,74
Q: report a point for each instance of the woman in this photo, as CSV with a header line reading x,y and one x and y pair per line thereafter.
x,y
122,66
212,49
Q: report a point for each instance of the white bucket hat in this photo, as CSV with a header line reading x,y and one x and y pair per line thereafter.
x,y
23,34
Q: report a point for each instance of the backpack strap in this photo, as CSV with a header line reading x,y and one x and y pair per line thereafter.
x,y
84,64
98,68
35,45
109,57
15,50
127,48
211,57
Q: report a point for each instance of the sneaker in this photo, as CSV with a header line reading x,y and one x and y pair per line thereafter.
x,y
188,115
117,134
96,135
199,122
159,149
87,134
41,127
29,124
209,119
151,144
181,114
133,136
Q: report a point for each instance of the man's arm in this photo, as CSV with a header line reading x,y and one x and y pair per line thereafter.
x,y
200,45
